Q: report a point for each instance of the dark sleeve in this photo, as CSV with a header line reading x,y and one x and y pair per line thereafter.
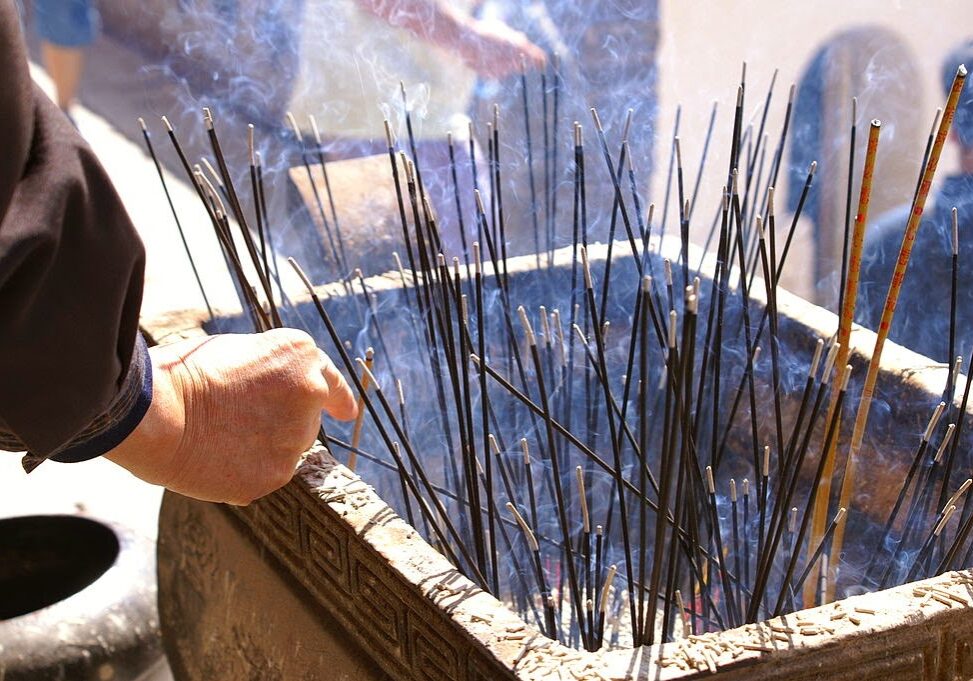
x,y
74,375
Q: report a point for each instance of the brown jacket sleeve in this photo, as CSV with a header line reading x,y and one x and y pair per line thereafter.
x,y
71,267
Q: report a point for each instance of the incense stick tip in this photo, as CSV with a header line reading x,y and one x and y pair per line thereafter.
x,y
142,124
528,329
597,119
300,273
955,217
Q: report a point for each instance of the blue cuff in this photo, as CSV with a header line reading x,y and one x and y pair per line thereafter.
x,y
139,386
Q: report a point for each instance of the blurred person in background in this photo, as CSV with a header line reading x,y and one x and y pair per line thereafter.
x,y
607,54
922,317
66,28
355,53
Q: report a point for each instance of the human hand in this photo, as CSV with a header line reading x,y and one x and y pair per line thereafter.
x,y
231,414
495,50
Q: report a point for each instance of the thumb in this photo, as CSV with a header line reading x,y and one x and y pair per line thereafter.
x,y
340,402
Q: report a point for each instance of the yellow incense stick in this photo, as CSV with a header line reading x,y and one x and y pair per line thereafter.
x,y
820,515
895,286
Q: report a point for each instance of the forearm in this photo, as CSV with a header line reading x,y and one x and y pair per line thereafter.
x,y
435,22
71,269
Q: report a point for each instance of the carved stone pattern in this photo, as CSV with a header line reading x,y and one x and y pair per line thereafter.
x,y
278,516
326,552
411,640
432,656
385,613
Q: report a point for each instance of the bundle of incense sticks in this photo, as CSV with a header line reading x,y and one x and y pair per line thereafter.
x,y
568,429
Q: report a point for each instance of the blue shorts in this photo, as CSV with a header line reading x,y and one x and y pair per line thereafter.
x,y
66,23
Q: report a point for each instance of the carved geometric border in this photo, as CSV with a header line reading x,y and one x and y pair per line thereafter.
x,y
410,638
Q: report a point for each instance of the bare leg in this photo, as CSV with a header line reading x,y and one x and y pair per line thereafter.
x,y
64,64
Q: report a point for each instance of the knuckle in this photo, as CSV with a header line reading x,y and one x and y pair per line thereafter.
x,y
294,339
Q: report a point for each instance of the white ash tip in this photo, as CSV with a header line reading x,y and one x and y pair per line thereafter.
x,y
765,467
840,515
578,136
945,443
627,126
934,421
142,124
368,373
293,123
813,167
301,274
961,71
876,123
525,322
314,129
733,490
955,216
945,519
165,122
829,362
746,487
709,480
597,119
586,267
815,361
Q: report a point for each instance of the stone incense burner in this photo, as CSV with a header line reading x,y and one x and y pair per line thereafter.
x,y
323,580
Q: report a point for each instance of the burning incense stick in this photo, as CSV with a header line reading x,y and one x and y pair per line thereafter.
x,y
849,299
360,419
908,239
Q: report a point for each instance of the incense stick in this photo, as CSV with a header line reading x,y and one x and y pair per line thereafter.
x,y
908,239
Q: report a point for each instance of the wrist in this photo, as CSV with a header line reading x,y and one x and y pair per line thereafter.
x,y
149,450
